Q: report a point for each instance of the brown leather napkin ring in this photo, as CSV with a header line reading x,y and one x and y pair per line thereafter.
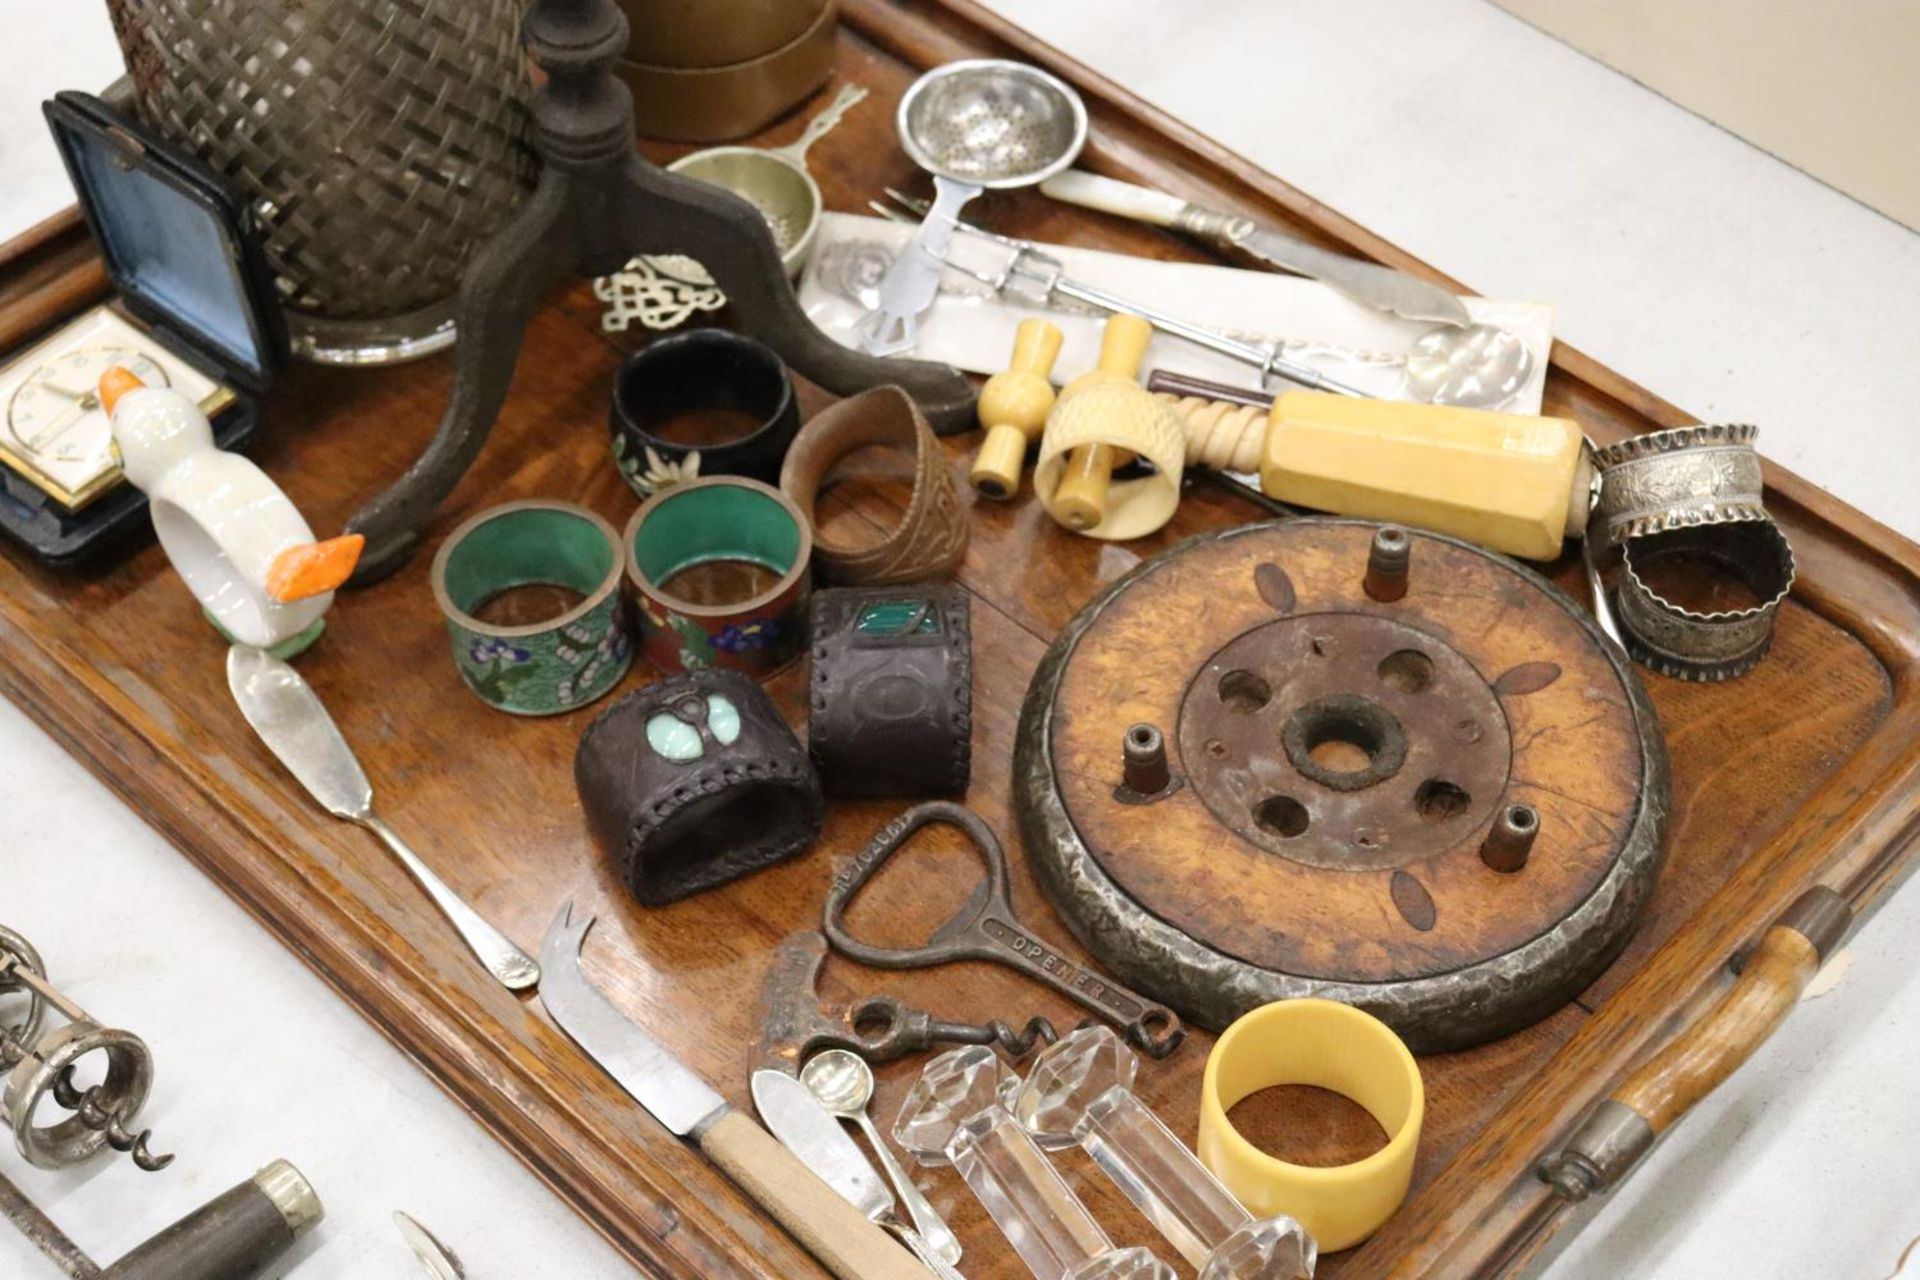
x,y
932,535
892,690
695,781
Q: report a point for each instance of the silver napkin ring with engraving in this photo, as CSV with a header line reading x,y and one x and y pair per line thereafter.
x,y
1704,644
1692,494
1677,479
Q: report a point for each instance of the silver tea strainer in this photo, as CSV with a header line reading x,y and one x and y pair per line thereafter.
x,y
976,124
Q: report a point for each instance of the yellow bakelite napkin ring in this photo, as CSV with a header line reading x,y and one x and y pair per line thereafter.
x,y
1331,1046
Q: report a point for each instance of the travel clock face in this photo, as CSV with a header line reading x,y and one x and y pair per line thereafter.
x,y
56,432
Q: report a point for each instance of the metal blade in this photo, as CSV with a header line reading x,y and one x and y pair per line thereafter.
x,y
1381,288
290,718
793,1115
440,1261
657,1080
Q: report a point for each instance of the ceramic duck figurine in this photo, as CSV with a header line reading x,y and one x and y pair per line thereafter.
x,y
239,543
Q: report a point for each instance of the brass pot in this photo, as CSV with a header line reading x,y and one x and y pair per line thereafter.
x,y
716,102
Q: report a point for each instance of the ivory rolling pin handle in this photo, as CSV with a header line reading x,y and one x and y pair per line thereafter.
x,y
1080,501
1623,1128
1013,407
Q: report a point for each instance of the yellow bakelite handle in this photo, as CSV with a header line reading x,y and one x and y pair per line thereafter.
x,y
1013,407
1080,499
1508,481
1330,1046
1123,344
1080,502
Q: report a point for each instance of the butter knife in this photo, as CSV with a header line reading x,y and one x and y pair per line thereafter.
x,y
814,1135
1369,284
296,726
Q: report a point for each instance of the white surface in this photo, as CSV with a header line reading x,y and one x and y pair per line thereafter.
x,y
255,1059
1719,277
72,47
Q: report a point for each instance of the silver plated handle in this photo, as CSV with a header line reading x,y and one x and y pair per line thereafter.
x,y
921,1249
927,1222
514,968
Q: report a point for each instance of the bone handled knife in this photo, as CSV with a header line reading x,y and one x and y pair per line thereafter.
x,y
830,1228
1369,284
806,1128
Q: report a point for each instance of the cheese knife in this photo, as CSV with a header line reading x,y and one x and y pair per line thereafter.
x,y
830,1228
1369,284
805,1127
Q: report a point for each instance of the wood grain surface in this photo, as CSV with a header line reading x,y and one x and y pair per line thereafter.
x,y
1802,772
1317,903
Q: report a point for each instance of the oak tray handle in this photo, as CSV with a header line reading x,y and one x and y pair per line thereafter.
x,y
1664,1088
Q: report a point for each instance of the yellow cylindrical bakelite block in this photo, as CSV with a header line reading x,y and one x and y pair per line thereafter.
x,y
1329,1046
1508,481
1013,407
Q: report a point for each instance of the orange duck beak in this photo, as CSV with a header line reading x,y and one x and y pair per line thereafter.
x,y
115,383
315,568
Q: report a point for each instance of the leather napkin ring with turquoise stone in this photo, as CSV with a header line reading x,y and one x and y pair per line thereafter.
x,y
891,706
693,782
556,664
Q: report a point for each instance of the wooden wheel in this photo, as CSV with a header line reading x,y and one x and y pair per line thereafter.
x,y
1447,808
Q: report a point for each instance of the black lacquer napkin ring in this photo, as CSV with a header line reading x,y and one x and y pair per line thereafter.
x,y
702,374
694,782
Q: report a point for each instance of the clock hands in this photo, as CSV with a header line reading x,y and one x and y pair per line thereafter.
x,y
85,399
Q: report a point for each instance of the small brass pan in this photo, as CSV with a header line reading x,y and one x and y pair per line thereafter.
x,y
775,180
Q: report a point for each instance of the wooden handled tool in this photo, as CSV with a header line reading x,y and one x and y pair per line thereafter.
x,y
1013,407
1103,419
839,1235
1623,1128
1514,482
830,1228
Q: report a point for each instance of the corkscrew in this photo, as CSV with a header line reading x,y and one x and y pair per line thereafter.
x,y
41,1064
794,1026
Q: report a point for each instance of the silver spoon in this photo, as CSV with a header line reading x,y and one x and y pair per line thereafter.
x,y
1476,366
844,1084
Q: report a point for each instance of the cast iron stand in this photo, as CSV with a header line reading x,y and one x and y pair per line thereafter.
x,y
598,203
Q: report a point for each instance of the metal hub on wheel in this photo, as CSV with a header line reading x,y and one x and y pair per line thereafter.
x,y
1440,796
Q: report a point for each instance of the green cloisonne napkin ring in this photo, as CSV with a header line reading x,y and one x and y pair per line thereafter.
x,y
540,668
719,574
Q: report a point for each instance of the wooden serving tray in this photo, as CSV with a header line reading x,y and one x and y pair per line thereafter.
x,y
1800,773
